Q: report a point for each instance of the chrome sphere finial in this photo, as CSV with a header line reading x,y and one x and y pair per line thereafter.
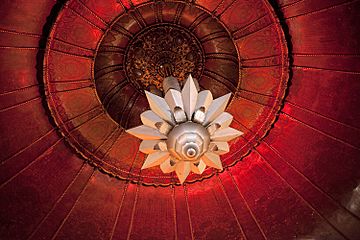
x,y
188,141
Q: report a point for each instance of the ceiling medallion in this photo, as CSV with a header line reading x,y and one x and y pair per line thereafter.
x,y
186,130
160,49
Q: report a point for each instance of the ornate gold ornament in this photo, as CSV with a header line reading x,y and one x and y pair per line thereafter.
x,y
186,130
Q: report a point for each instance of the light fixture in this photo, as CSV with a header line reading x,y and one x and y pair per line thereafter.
x,y
186,130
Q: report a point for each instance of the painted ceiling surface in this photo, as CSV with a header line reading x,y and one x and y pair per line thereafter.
x,y
72,80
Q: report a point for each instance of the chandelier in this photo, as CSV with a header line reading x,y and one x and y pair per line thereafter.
x,y
185,131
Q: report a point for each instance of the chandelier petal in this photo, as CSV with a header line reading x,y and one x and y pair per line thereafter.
x,y
222,121
154,159
175,102
219,147
198,167
212,160
216,108
182,170
146,133
151,146
150,119
203,103
159,106
226,134
168,166
189,95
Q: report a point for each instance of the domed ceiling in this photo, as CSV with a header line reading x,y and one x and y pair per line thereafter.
x,y
73,76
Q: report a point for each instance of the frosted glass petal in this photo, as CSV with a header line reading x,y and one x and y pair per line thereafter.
x,y
212,160
168,166
216,108
175,102
189,95
150,146
199,167
150,119
226,134
222,121
146,133
219,147
159,106
204,100
182,170
203,103
154,159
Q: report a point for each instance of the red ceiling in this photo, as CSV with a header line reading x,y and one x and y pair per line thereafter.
x,y
301,181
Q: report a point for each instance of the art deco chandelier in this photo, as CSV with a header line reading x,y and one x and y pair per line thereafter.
x,y
186,130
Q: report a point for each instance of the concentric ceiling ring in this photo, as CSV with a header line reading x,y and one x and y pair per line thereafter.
x,y
242,50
